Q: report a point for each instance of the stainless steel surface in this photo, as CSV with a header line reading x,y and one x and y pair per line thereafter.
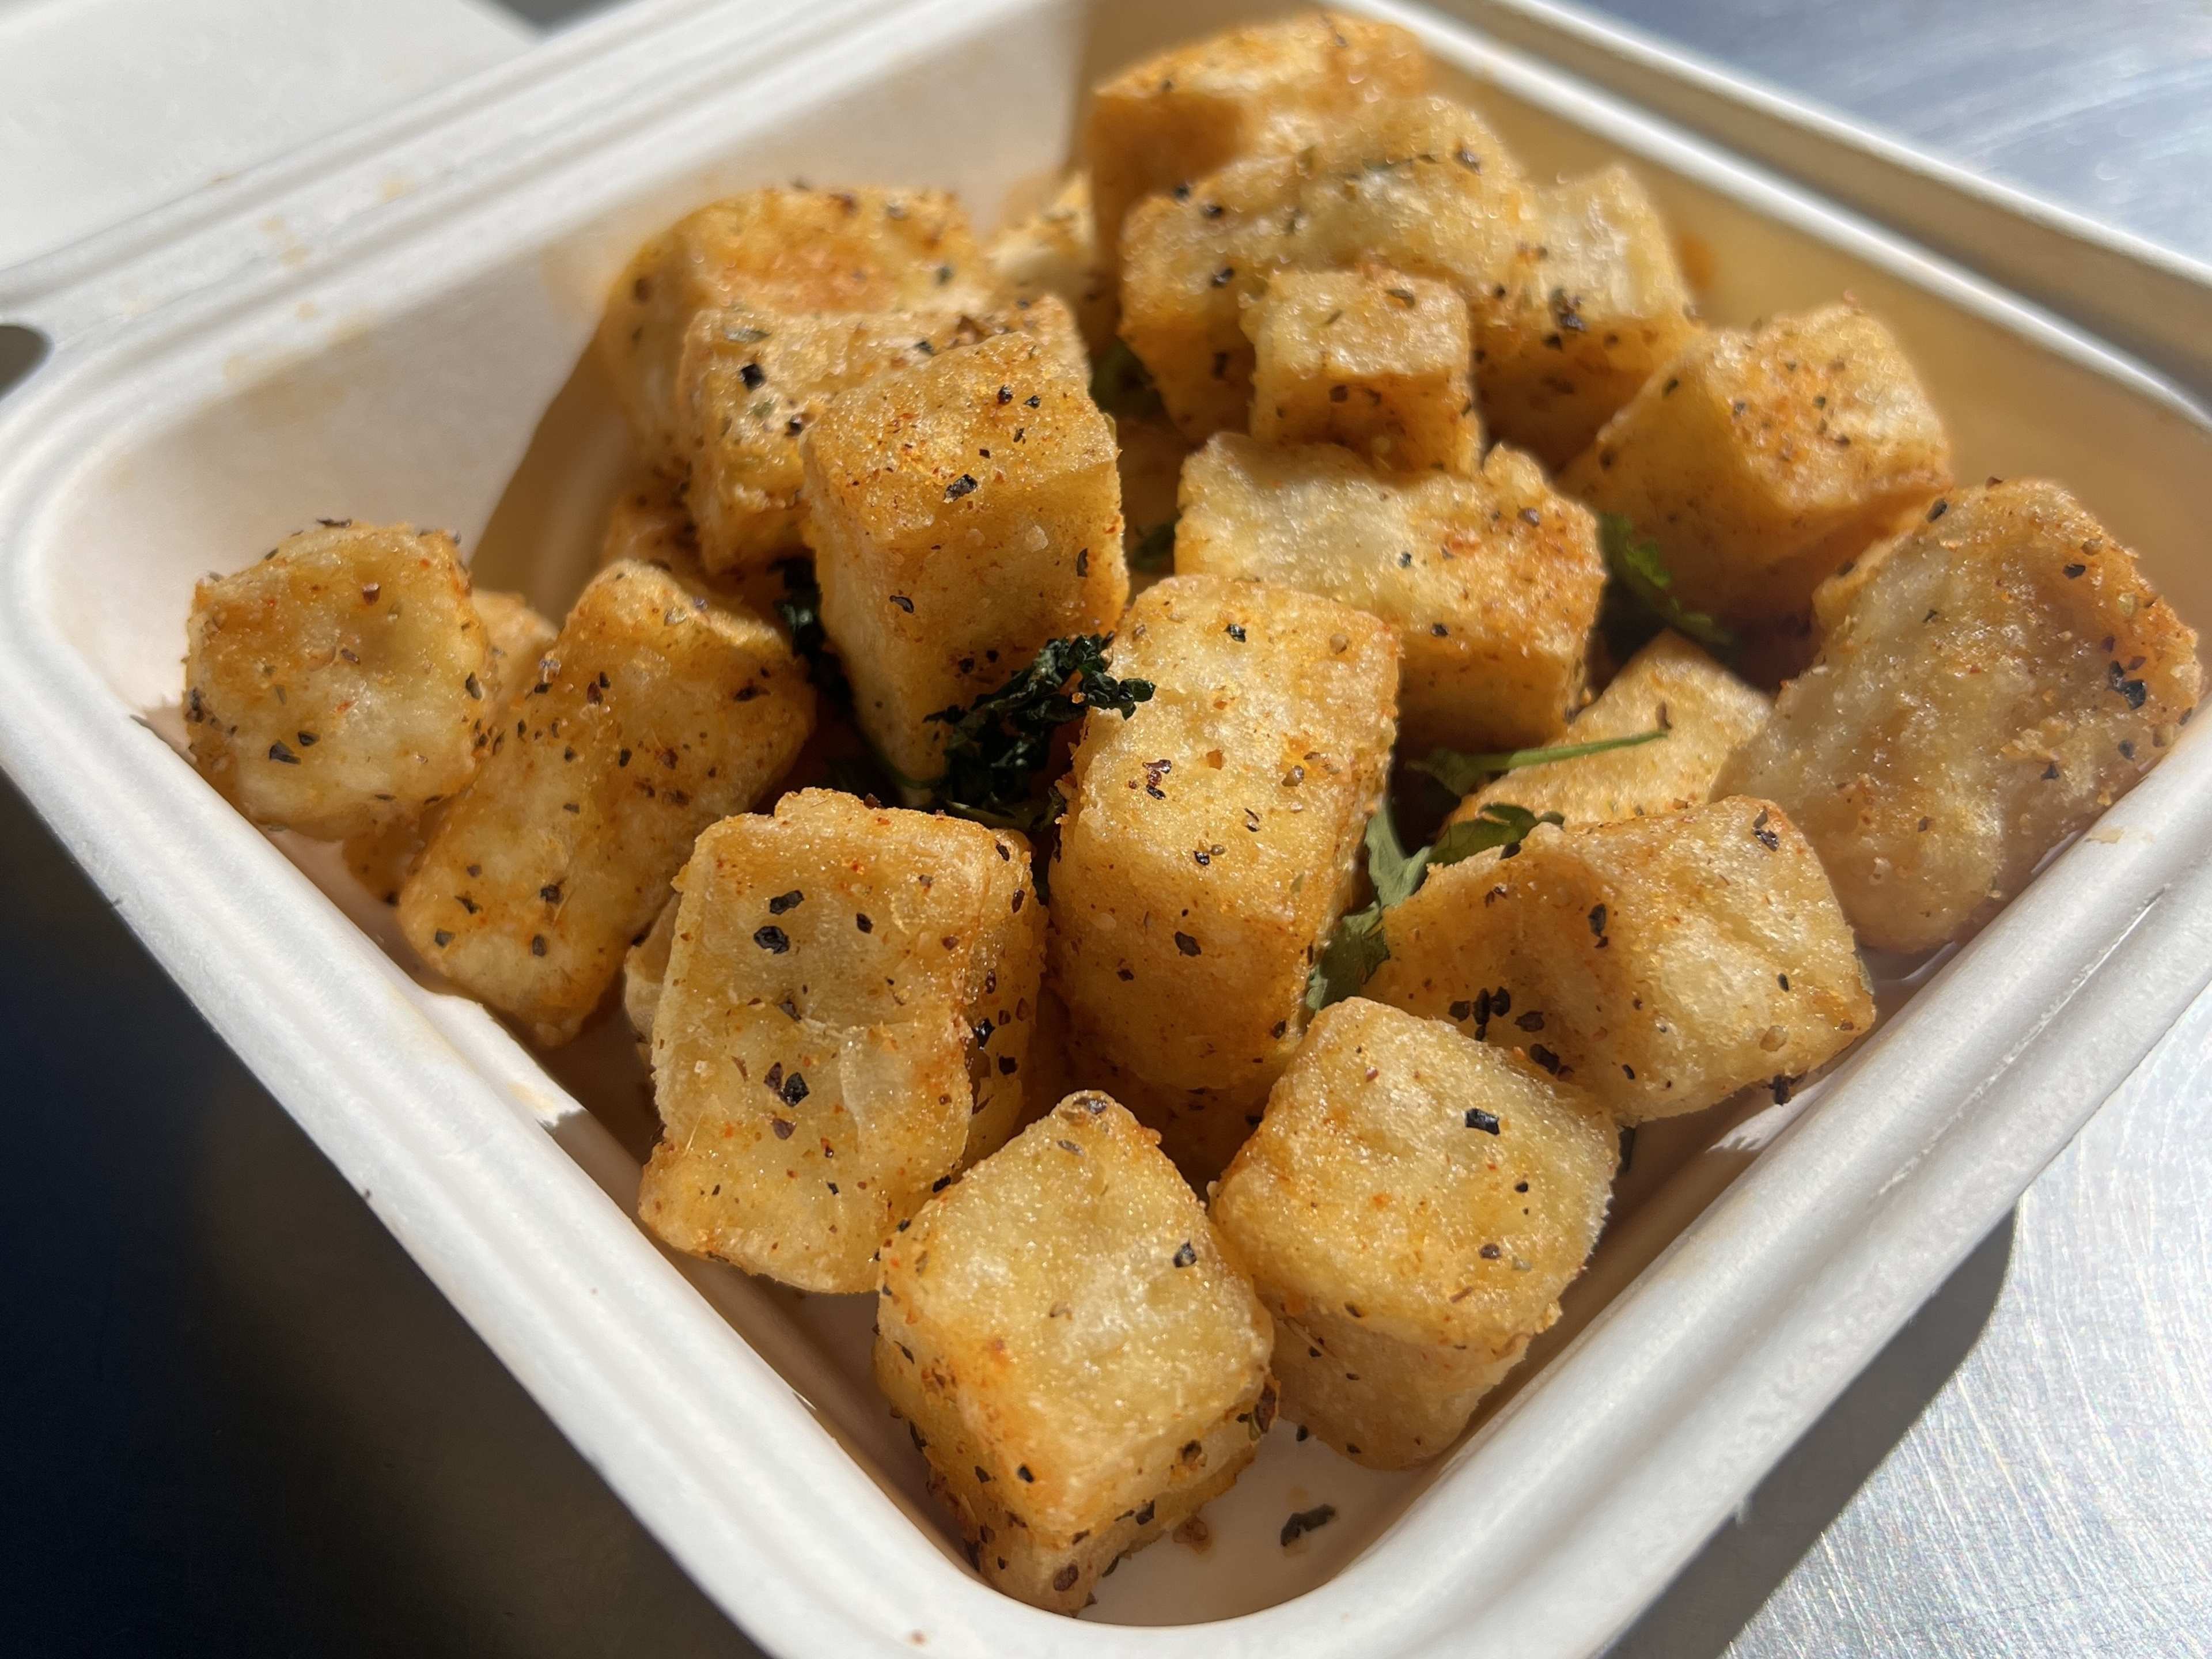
x,y
243,1421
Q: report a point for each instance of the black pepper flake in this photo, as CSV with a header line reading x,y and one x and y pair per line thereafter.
x,y
902,603
551,892
1235,631
2073,570
1008,1064
1187,1254
622,757
1187,945
2127,749
1022,1472
1479,1119
1765,837
1783,1087
284,756
1032,402
1006,394
1545,1058
1597,920
538,945
1065,1579
962,485
752,375
1083,562
2050,772
1783,980
772,938
864,924
783,901
782,1127
1533,1020
1306,1520
1938,511
2133,691
1439,630
1223,277
795,1089
441,938
1489,1253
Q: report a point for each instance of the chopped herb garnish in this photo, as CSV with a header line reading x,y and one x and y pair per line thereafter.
x,y
1464,774
1639,599
1000,745
800,607
1121,385
1358,946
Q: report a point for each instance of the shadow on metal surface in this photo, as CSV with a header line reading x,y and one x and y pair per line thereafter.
x,y
1730,1578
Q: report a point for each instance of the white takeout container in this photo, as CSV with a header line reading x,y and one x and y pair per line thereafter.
x,y
390,325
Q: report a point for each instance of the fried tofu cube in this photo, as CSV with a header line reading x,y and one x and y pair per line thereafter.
x,y
1660,964
2000,675
517,637
1211,840
645,970
1373,360
1419,184
337,685
1670,686
1080,1362
1760,460
653,713
1055,250
1410,1210
750,382
842,1025
964,514
1268,89
514,636
1492,583
792,250
1602,305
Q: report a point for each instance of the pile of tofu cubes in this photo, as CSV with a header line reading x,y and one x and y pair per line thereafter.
x,y
1064,1105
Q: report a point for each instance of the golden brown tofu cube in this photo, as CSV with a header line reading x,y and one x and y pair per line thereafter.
x,y
1410,1210
842,1025
514,636
1760,460
1661,963
1268,89
645,970
1374,360
653,713
1670,686
1080,1362
1419,184
964,514
1600,306
791,250
1055,250
1492,583
337,685
2003,675
751,382
1211,838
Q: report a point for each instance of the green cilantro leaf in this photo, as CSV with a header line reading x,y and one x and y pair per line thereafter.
x,y
1464,774
1359,946
1639,599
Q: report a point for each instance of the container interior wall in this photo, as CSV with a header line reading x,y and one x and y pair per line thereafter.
x,y
467,400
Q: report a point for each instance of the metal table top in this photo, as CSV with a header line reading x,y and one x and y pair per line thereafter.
x,y
244,1421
